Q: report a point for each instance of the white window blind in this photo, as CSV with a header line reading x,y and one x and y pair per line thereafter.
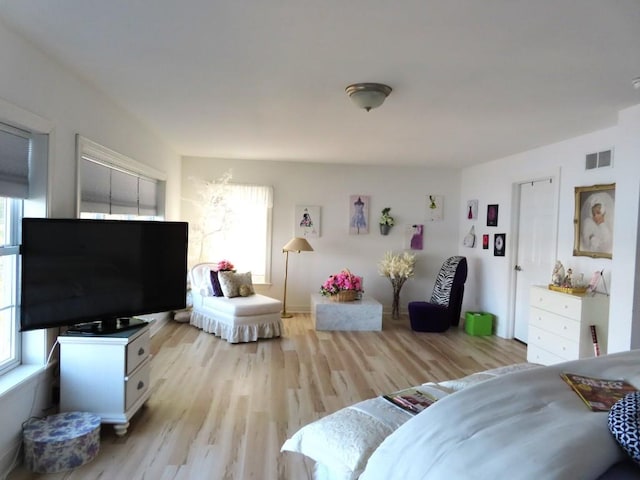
x,y
105,189
15,148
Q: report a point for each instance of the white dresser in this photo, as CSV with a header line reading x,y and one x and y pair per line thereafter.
x,y
108,375
559,325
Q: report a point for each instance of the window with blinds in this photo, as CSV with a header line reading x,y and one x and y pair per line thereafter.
x,y
113,186
113,191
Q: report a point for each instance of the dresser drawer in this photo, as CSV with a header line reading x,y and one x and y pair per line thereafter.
x,y
563,348
557,324
137,384
138,350
562,304
535,354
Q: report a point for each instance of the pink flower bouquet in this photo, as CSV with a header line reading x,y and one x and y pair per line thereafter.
x,y
224,265
345,280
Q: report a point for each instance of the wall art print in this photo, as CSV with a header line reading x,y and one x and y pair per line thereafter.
x,y
492,215
435,208
359,214
499,244
485,242
593,221
472,209
415,235
307,221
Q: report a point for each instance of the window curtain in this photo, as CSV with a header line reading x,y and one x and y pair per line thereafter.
x,y
105,189
239,229
15,150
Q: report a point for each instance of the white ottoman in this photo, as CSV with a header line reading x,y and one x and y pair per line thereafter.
x,y
61,442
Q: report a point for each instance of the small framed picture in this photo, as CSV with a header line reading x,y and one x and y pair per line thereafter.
x,y
492,215
307,223
499,241
472,209
485,242
435,208
359,214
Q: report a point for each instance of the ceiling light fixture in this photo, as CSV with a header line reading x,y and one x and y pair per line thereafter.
x,y
636,82
368,95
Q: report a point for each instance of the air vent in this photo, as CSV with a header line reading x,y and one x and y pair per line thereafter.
x,y
598,160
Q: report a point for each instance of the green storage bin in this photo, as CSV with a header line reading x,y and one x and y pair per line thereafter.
x,y
478,323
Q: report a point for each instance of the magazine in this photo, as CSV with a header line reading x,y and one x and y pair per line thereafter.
x,y
599,394
411,400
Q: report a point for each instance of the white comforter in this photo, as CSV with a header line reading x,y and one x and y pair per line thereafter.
x,y
526,425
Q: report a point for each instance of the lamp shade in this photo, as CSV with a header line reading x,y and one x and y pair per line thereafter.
x,y
368,95
297,244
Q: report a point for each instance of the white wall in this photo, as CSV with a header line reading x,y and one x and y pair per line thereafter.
x,y
624,316
329,186
490,279
33,86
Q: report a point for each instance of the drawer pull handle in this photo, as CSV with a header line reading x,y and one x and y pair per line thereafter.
x,y
141,351
140,385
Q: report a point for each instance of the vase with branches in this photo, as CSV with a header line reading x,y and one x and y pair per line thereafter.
x,y
212,214
398,268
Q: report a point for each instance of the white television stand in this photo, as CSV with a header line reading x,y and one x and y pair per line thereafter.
x,y
108,375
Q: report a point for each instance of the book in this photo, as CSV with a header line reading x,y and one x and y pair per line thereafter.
x,y
411,400
599,394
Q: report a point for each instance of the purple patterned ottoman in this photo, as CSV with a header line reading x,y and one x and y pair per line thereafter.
x,y
61,442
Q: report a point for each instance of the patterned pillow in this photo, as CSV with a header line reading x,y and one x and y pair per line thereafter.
x,y
624,423
230,282
215,284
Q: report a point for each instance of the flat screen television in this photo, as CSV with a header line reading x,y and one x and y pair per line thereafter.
x,y
94,275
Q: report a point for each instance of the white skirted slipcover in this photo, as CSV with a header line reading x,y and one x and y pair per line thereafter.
x,y
237,319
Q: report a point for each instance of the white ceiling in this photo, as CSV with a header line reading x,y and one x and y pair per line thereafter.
x,y
264,79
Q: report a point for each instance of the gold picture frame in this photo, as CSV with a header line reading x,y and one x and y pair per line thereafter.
x,y
593,221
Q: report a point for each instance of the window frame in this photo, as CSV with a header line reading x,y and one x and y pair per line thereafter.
x,y
14,209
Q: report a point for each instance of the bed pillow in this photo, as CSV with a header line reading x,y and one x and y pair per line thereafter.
x,y
215,284
342,442
624,424
231,284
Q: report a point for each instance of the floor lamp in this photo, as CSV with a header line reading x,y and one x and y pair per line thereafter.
x,y
296,244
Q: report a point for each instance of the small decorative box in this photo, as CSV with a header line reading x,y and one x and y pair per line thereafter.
x,y
478,323
61,442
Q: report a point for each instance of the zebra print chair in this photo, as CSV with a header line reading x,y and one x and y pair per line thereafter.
x,y
443,310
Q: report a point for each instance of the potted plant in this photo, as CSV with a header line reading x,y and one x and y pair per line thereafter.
x,y
386,221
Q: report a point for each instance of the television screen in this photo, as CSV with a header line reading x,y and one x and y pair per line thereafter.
x,y
78,271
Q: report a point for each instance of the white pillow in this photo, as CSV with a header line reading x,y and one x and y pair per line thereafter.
x,y
230,283
343,441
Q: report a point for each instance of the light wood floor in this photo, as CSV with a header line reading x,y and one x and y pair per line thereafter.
x,y
222,411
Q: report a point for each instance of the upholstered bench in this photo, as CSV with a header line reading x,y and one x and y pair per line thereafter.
x,y
237,319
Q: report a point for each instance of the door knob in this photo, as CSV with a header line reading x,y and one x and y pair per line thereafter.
x,y
518,268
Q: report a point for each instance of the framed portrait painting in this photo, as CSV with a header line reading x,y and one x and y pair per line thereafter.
x,y
307,222
593,220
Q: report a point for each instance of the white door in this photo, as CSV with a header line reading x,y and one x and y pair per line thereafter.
x,y
536,247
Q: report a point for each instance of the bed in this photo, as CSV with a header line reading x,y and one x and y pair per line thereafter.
x,y
521,422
